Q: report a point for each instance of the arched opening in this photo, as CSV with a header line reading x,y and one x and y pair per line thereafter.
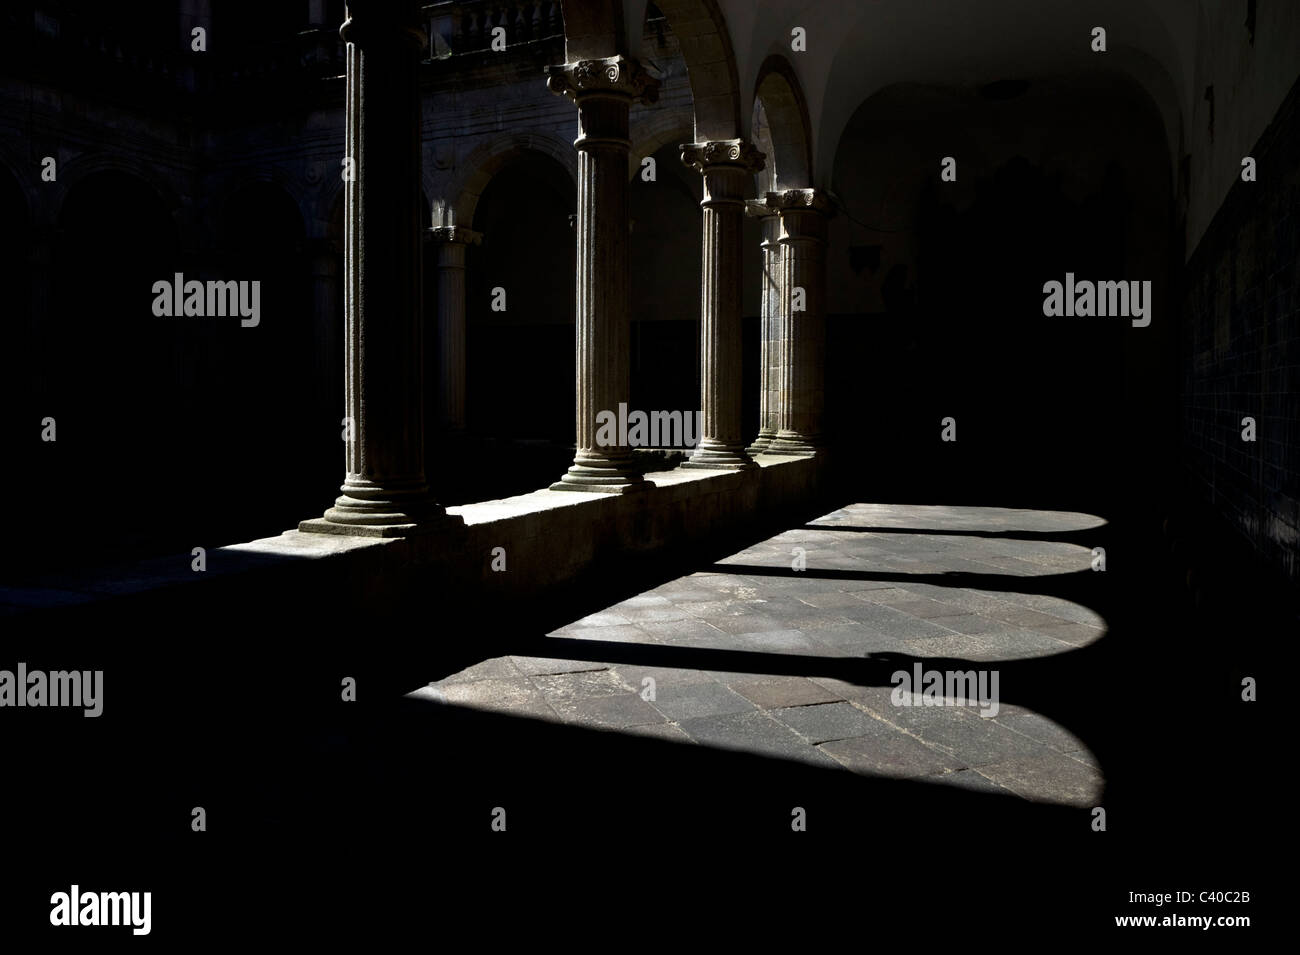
x,y
21,387
781,128
519,316
940,297
109,372
15,250
705,45
268,416
665,286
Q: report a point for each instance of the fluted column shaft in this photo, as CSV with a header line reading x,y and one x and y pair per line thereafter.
x,y
450,244
769,357
728,167
384,491
801,319
604,91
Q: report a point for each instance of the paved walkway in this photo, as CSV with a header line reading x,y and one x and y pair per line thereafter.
x,y
883,588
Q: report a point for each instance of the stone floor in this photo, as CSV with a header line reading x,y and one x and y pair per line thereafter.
x,y
883,587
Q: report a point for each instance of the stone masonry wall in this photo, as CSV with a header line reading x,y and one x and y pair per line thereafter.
x,y
1241,339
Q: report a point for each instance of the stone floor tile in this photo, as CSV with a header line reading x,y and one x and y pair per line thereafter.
x,y
685,632
969,623
1075,634
614,712
773,641
498,668
783,691
627,633
966,736
605,618
633,676
824,722
829,600
576,686
517,697
746,623
530,666
889,752
1042,729
925,608
1050,778
968,779
666,731
679,702
752,732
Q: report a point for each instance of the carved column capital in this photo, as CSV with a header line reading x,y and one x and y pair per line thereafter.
x,y
454,233
805,200
723,152
611,76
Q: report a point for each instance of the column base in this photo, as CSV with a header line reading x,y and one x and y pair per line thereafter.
x,y
602,475
794,444
368,510
730,457
323,525
761,443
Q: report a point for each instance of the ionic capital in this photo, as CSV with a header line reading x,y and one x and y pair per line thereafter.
x,y
613,75
802,200
454,233
723,152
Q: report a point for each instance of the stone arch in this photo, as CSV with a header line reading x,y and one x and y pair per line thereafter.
x,y
782,128
527,252
863,60
283,181
476,170
272,192
1080,185
658,131
73,172
260,234
16,278
22,190
599,29
325,196
701,31
104,365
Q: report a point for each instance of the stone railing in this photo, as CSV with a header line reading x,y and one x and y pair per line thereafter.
x,y
41,43
308,55
465,26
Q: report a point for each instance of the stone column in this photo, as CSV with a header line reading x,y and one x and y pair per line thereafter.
x,y
450,243
728,166
603,90
384,492
801,319
769,358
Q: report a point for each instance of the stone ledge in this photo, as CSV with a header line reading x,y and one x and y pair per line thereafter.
x,y
551,538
